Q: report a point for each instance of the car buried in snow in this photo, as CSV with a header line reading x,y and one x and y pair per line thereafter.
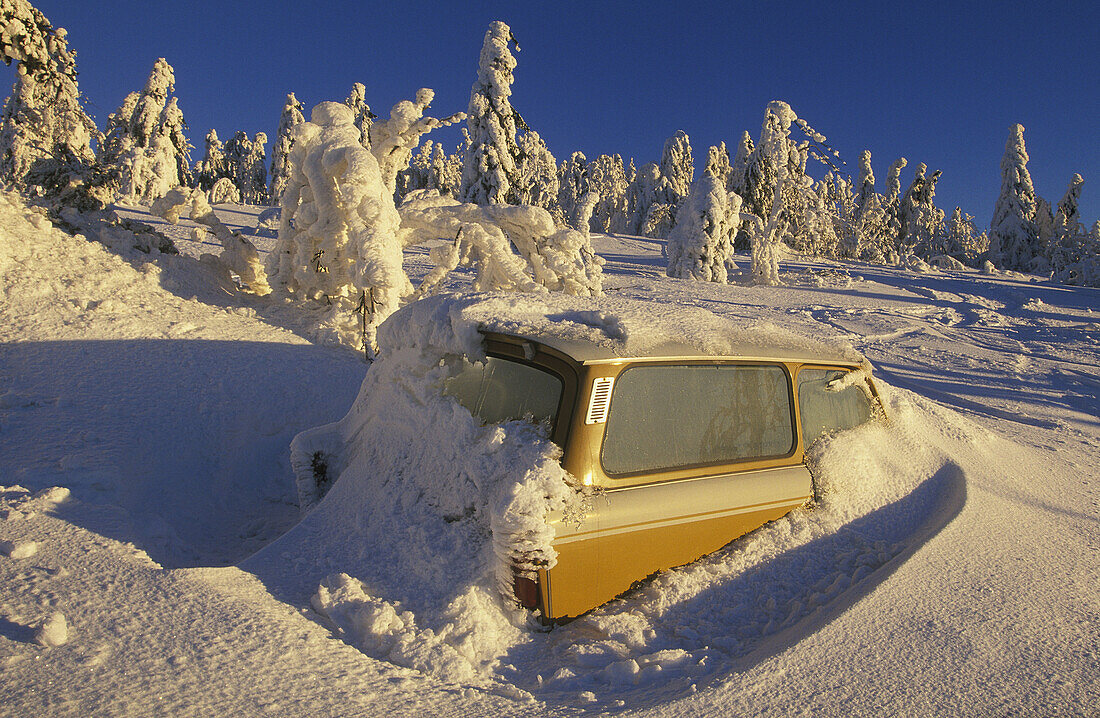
x,y
687,451
678,451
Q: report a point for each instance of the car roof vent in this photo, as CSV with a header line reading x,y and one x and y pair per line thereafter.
x,y
600,401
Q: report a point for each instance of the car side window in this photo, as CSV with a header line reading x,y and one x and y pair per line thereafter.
x,y
498,390
668,417
827,405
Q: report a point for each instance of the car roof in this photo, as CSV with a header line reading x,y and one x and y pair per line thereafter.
x,y
586,352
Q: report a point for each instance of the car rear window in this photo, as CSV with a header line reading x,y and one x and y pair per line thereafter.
x,y
667,417
498,390
827,405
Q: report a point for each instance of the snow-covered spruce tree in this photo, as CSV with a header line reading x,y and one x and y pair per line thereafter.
x,y
607,177
45,135
536,173
773,151
415,176
961,240
1075,254
392,141
818,236
489,168
146,152
700,245
550,258
918,218
678,165
866,182
573,184
246,165
212,166
357,101
280,153
718,163
1044,225
1013,236
739,166
445,174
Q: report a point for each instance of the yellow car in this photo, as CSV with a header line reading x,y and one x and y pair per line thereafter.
x,y
684,452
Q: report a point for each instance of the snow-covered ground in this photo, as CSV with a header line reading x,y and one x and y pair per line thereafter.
x,y
951,569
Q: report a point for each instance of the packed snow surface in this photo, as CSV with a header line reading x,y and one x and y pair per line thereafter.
x,y
147,409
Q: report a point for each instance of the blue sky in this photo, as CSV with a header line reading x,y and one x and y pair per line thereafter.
x,y
935,82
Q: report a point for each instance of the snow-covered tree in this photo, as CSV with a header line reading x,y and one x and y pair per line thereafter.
x,y
1013,236
866,182
718,163
212,167
536,173
700,244
280,154
246,165
338,227
1075,253
489,168
961,240
550,258
445,174
918,218
739,166
357,101
338,232
607,177
45,135
392,141
572,184
677,165
772,154
146,152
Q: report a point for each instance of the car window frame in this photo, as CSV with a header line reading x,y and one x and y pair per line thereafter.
x,y
704,469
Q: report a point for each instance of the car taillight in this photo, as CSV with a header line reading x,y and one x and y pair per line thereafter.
x,y
526,591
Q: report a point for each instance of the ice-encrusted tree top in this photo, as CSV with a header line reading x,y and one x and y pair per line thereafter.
x,y
1013,236
364,118
866,181
677,163
488,171
280,154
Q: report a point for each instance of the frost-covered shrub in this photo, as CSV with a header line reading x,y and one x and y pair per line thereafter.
x,y
224,191
700,245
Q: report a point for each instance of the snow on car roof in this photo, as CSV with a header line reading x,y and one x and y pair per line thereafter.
x,y
602,329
